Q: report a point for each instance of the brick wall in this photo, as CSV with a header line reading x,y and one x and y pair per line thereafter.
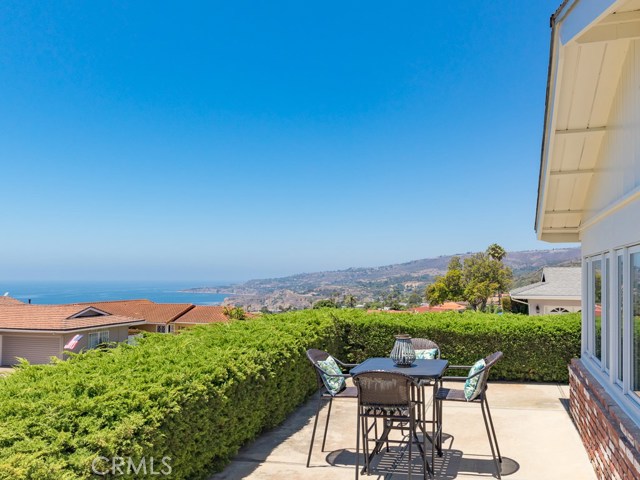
x,y
611,438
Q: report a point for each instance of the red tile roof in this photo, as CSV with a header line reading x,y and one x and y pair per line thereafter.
x,y
203,314
445,307
144,309
7,300
55,318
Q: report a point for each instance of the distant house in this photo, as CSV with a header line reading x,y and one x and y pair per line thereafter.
x,y
158,317
445,307
165,317
39,332
558,291
7,300
200,315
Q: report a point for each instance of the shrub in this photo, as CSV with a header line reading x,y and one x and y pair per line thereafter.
x,y
195,397
535,348
199,396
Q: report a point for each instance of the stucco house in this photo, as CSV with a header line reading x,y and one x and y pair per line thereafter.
x,y
558,291
39,332
589,192
158,317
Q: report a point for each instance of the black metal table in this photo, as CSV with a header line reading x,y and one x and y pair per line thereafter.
x,y
426,373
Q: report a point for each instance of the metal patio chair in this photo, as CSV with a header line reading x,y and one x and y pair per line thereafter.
x,y
314,357
387,396
425,344
457,395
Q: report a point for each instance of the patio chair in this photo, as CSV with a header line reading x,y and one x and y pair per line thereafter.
x,y
386,396
315,356
478,395
425,344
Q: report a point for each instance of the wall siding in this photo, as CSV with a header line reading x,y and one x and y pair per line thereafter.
x,y
618,166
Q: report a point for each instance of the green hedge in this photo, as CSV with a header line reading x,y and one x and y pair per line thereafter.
x,y
199,396
535,348
195,397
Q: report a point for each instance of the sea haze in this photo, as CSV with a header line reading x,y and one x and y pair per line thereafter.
x,y
55,293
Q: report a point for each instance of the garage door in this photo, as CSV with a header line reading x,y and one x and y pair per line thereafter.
x,y
35,349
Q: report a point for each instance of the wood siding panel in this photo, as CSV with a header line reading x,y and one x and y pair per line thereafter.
x,y
618,166
35,348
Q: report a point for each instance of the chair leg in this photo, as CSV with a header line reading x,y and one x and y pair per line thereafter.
x,y
411,427
326,425
486,426
495,438
313,435
365,444
358,445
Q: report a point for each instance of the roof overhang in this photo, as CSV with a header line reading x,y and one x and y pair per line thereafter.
x,y
547,297
589,43
63,331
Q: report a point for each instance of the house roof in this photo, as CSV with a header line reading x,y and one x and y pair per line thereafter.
x,y
445,307
145,309
589,44
556,283
56,318
7,300
203,314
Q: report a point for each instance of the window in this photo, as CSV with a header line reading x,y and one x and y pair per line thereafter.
x,y
634,286
606,309
164,328
559,310
596,307
97,338
620,285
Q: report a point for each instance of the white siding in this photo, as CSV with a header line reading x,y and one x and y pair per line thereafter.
x,y
546,305
35,348
618,168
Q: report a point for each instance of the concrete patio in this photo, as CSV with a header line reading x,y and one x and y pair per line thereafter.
x,y
536,435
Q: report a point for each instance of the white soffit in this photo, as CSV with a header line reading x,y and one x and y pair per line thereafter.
x,y
584,74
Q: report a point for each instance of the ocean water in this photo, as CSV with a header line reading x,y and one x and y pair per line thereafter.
x,y
54,293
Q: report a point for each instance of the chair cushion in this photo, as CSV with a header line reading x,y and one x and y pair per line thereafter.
x,y
329,368
427,354
472,387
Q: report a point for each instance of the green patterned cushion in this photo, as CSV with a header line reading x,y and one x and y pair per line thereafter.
x,y
427,354
330,367
471,386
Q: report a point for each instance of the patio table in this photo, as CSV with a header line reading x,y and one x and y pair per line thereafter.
x,y
426,373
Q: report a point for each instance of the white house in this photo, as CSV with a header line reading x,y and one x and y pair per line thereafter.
x,y
589,192
558,291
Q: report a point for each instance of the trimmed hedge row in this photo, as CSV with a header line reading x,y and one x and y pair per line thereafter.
x,y
535,348
199,396
195,397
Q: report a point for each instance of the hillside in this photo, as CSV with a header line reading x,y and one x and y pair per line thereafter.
x,y
375,284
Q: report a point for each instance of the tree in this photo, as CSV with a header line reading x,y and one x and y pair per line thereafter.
x,y
478,278
448,287
496,252
325,303
349,301
235,313
414,299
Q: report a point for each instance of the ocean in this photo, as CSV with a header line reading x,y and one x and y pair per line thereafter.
x,y
55,293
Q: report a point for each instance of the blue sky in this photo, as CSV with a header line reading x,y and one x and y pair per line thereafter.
x,y
235,140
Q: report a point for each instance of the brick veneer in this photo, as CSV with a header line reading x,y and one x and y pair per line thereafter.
x,y
611,438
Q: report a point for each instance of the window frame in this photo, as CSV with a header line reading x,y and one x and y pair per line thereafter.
x,y
100,340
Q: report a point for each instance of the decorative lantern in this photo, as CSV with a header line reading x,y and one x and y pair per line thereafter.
x,y
403,353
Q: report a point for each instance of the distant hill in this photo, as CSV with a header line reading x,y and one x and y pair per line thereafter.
x,y
375,283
